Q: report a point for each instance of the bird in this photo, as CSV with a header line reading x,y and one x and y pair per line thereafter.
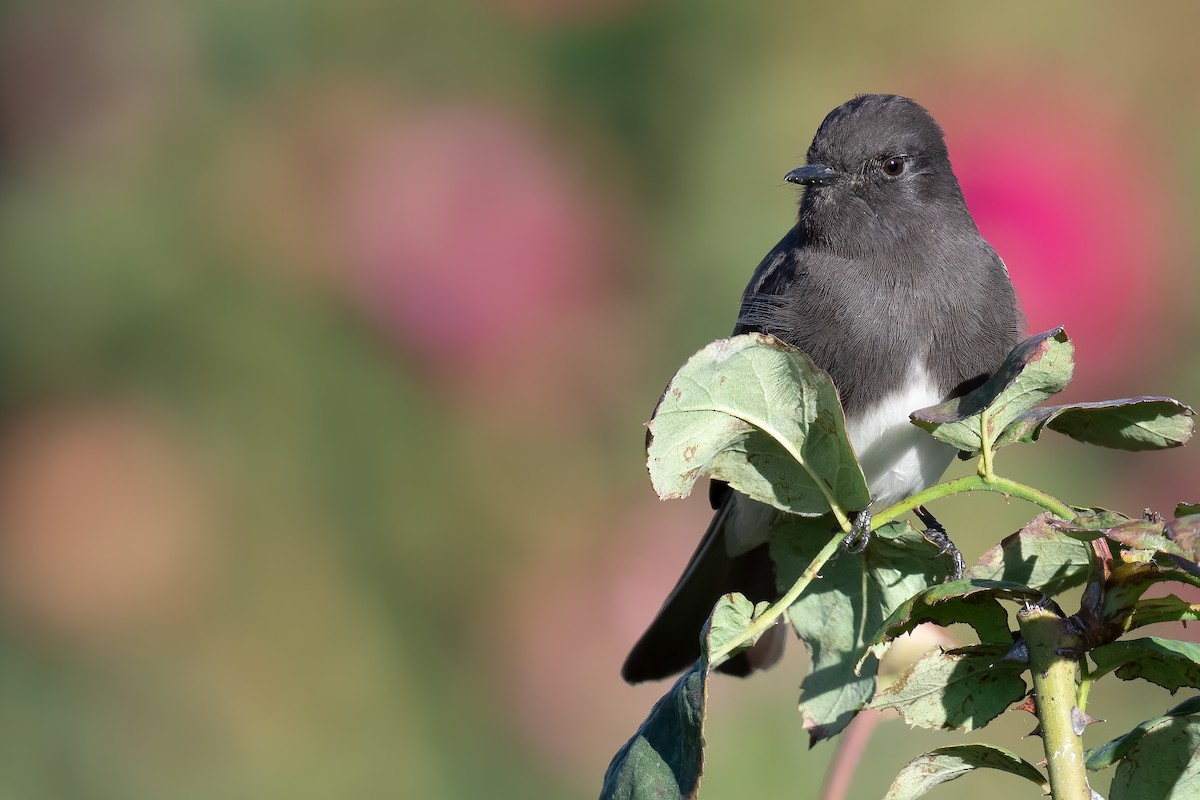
x,y
887,284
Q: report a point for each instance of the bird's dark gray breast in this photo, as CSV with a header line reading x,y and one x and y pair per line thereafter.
x,y
867,318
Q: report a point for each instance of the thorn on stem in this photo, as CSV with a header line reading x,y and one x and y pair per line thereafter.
x,y
1080,720
1028,704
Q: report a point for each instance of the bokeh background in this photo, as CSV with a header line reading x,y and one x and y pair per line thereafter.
x,y
328,329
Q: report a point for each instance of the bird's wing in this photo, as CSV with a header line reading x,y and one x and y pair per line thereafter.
x,y
771,279
672,641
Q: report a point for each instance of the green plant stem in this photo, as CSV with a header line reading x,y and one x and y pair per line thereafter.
x,y
1086,680
768,617
985,450
970,483
1046,634
976,483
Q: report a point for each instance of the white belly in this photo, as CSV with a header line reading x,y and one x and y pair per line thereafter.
x,y
898,458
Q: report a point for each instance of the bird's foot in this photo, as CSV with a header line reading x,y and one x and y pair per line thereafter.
x,y
860,532
936,534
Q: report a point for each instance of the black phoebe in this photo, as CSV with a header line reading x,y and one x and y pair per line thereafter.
x,y
886,283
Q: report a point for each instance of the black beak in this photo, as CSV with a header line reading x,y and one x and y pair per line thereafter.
x,y
812,175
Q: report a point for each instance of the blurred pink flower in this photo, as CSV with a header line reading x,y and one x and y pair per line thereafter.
x,y
1065,185
465,234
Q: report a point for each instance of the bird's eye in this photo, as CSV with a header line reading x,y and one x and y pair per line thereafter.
x,y
893,167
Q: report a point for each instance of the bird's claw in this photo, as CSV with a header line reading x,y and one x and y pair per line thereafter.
x,y
936,534
860,533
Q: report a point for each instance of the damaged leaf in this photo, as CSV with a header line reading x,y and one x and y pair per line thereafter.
x,y
757,413
949,763
1035,369
1135,423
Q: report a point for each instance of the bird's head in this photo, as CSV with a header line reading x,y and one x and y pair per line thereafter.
x,y
878,164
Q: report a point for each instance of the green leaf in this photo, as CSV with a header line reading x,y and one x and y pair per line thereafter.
x,y
1163,765
664,759
1036,369
974,602
1166,662
962,689
1106,755
1040,555
948,763
1174,546
1129,581
852,598
1097,519
731,616
1185,533
1137,575
1142,540
1186,509
1163,609
748,410
1135,423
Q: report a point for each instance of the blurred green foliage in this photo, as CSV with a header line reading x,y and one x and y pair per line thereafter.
x,y
408,544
